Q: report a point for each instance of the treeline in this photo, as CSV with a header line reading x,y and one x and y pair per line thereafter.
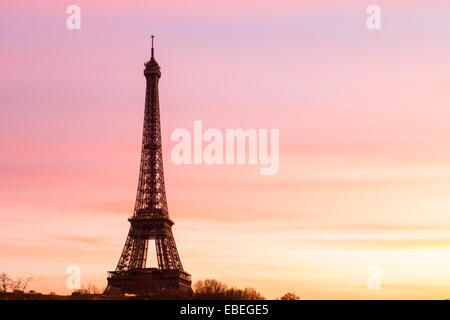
x,y
211,289
215,290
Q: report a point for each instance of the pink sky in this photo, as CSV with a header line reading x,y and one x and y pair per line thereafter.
x,y
364,149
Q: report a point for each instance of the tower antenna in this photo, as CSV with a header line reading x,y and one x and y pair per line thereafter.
x,y
152,46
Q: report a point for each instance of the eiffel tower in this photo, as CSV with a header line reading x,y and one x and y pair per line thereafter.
x,y
150,220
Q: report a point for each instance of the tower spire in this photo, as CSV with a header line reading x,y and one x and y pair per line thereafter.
x,y
153,50
151,66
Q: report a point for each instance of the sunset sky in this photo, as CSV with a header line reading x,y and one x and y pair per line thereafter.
x,y
364,120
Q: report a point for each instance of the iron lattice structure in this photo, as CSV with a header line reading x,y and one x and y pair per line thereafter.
x,y
150,220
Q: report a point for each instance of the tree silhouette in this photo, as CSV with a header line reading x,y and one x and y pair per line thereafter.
x,y
212,289
19,284
5,282
290,296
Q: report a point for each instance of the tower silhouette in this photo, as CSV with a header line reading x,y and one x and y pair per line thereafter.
x,y
150,220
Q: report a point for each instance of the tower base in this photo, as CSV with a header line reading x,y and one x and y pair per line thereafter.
x,y
151,282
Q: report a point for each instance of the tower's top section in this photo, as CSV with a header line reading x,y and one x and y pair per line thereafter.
x,y
151,66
